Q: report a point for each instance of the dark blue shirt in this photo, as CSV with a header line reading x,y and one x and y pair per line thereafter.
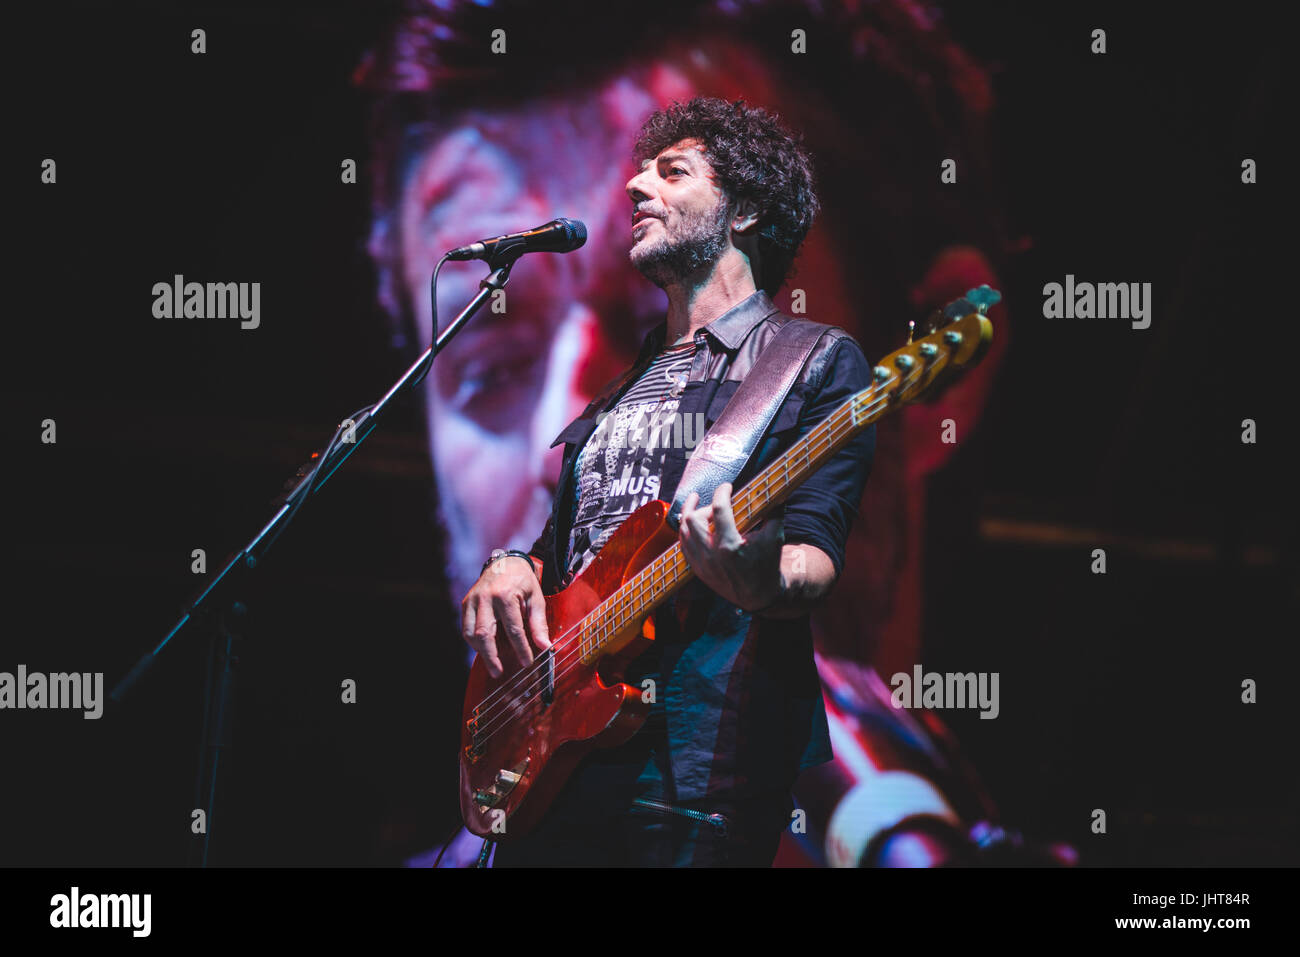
x,y
738,695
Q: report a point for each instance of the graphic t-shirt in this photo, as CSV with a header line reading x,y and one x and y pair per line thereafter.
x,y
621,464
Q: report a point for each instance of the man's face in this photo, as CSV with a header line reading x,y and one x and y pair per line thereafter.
x,y
679,214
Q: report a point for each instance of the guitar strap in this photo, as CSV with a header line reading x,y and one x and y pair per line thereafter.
x,y
732,439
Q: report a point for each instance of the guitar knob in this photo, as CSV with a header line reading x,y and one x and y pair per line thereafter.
x,y
928,349
983,298
952,338
905,362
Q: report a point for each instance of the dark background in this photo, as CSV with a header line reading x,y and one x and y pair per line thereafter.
x,y
1118,691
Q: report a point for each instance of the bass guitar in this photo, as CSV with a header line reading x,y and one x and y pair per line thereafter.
x,y
524,732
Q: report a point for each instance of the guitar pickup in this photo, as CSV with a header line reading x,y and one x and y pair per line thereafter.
x,y
548,666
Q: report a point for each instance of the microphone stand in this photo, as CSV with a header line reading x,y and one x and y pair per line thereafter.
x,y
219,696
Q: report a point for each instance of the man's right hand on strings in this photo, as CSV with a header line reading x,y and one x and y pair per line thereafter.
x,y
507,598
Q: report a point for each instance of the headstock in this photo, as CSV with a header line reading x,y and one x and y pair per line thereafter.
x,y
980,300
960,338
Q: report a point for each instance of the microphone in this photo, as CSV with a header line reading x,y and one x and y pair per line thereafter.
x,y
557,236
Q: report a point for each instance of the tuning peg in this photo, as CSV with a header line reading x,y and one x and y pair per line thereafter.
x,y
983,297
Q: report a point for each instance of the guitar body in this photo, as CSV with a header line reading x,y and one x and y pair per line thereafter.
x,y
539,723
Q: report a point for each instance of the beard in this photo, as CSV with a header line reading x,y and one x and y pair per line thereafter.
x,y
699,242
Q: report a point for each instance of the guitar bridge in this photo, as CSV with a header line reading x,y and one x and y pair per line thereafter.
x,y
505,782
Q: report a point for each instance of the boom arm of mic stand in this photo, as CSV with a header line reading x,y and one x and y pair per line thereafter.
x,y
256,549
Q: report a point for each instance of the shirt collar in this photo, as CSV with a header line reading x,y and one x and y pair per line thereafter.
x,y
730,328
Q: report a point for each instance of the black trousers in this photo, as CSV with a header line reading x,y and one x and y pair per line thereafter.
x,y
597,820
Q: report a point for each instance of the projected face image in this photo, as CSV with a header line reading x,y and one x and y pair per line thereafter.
x,y
512,379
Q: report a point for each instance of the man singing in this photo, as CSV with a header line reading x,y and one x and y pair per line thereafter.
x,y
722,199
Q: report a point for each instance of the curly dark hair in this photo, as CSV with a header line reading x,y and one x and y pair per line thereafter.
x,y
753,157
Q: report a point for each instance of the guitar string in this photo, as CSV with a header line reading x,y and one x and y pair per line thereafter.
x,y
650,576
637,585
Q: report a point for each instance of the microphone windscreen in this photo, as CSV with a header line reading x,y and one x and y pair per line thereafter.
x,y
576,231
